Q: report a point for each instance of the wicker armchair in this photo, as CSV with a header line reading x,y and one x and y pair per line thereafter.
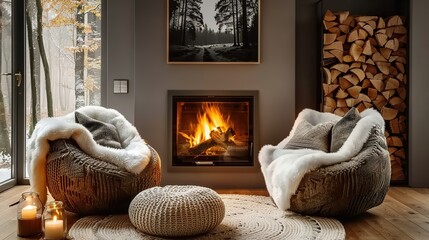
x,y
88,185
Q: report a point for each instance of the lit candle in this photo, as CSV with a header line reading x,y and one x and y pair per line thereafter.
x,y
29,212
54,229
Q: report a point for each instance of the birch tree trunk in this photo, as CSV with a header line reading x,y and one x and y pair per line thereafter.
x,y
79,59
93,72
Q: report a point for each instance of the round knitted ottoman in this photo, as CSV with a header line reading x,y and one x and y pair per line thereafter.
x,y
176,211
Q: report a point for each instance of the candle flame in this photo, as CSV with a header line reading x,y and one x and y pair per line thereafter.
x,y
55,218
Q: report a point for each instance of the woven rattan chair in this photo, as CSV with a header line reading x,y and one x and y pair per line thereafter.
x,y
88,185
348,188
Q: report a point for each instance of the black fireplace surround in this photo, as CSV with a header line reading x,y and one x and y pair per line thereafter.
x,y
212,128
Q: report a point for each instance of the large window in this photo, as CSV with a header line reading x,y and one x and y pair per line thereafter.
x,y
62,65
63,57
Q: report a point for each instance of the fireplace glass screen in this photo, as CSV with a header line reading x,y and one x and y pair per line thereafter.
x,y
212,130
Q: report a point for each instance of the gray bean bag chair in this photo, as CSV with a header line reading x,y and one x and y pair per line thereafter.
x,y
348,188
328,165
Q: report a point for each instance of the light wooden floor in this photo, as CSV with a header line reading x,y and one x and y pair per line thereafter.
x,y
403,215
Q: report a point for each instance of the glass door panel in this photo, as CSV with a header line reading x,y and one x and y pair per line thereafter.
x,y
7,165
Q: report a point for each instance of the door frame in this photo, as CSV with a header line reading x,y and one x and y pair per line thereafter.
x,y
18,59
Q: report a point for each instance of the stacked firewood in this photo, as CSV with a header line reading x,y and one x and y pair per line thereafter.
x,y
364,66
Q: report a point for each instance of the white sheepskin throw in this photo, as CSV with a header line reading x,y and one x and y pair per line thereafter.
x,y
283,169
134,155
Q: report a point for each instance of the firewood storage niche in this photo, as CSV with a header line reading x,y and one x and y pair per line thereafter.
x,y
212,130
365,65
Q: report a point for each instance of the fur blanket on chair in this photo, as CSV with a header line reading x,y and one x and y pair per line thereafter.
x,y
133,156
283,169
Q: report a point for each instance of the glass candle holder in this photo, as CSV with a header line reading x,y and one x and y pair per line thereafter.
x,y
54,221
29,215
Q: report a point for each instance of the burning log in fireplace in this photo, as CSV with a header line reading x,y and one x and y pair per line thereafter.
x,y
218,138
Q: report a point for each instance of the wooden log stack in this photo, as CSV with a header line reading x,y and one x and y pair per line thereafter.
x,y
365,66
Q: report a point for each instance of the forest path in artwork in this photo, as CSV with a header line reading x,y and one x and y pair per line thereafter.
x,y
210,53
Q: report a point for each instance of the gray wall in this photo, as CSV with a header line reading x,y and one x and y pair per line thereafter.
x,y
274,78
118,54
146,104
419,97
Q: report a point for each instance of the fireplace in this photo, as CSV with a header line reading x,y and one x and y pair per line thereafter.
x,y
211,128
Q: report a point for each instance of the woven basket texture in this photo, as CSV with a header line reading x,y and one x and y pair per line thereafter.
x,y
176,210
87,185
348,188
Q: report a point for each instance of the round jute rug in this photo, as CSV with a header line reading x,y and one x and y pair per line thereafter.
x,y
246,217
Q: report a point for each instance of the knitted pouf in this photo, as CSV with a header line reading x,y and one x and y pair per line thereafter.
x,y
176,211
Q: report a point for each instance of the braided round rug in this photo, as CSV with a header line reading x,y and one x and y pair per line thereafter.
x,y
246,217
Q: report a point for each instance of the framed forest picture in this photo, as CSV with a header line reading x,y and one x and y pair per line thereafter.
x,y
213,31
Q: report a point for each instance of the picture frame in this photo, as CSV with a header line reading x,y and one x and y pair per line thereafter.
x,y
212,32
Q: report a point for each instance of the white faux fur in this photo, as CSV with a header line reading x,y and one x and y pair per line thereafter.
x,y
134,156
283,169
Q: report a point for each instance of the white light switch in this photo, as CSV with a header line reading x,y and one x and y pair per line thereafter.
x,y
120,85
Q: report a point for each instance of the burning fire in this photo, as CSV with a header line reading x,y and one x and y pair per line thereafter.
x,y
211,119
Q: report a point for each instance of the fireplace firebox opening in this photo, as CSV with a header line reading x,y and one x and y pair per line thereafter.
x,y
212,129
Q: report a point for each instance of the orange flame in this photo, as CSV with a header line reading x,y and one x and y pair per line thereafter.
x,y
210,119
